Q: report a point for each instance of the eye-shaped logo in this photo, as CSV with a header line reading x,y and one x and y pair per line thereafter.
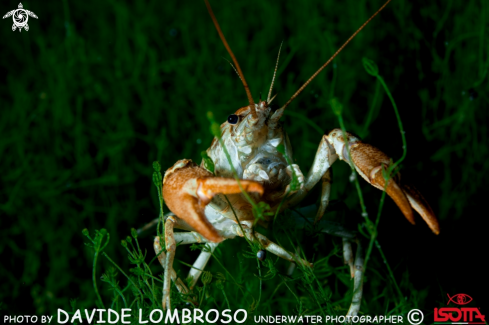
x,y
459,299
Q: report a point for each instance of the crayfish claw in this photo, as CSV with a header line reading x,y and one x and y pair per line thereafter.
x,y
395,192
421,206
371,163
188,188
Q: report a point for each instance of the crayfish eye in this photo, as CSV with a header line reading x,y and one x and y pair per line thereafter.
x,y
233,119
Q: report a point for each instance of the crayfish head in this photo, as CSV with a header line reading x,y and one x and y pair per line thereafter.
x,y
251,138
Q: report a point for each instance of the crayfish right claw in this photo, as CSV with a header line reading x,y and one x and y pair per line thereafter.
x,y
188,188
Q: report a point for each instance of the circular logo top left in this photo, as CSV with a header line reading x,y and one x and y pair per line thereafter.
x,y
20,16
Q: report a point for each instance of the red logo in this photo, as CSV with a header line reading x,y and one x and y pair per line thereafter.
x,y
458,315
460,299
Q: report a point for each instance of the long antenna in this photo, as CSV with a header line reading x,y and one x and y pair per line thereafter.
x,y
334,55
223,39
274,73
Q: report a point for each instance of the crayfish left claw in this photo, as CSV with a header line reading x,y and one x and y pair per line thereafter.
x,y
188,188
419,204
370,162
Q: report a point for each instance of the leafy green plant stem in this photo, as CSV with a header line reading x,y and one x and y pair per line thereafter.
x,y
130,280
369,118
134,256
373,239
139,253
155,278
291,291
202,295
399,122
373,70
280,205
374,234
158,182
389,269
121,295
94,279
236,282
226,298
309,273
146,266
237,220
259,273
97,247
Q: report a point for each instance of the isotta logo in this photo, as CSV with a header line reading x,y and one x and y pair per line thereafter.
x,y
460,315
459,299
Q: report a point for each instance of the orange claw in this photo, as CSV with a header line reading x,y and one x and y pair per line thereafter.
x,y
419,204
369,162
395,192
188,188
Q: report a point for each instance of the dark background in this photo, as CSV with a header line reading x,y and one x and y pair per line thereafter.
x,y
96,91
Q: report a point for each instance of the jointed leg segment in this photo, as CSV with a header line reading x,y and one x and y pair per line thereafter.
x,y
182,288
199,264
274,248
170,249
357,282
348,255
166,260
323,160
